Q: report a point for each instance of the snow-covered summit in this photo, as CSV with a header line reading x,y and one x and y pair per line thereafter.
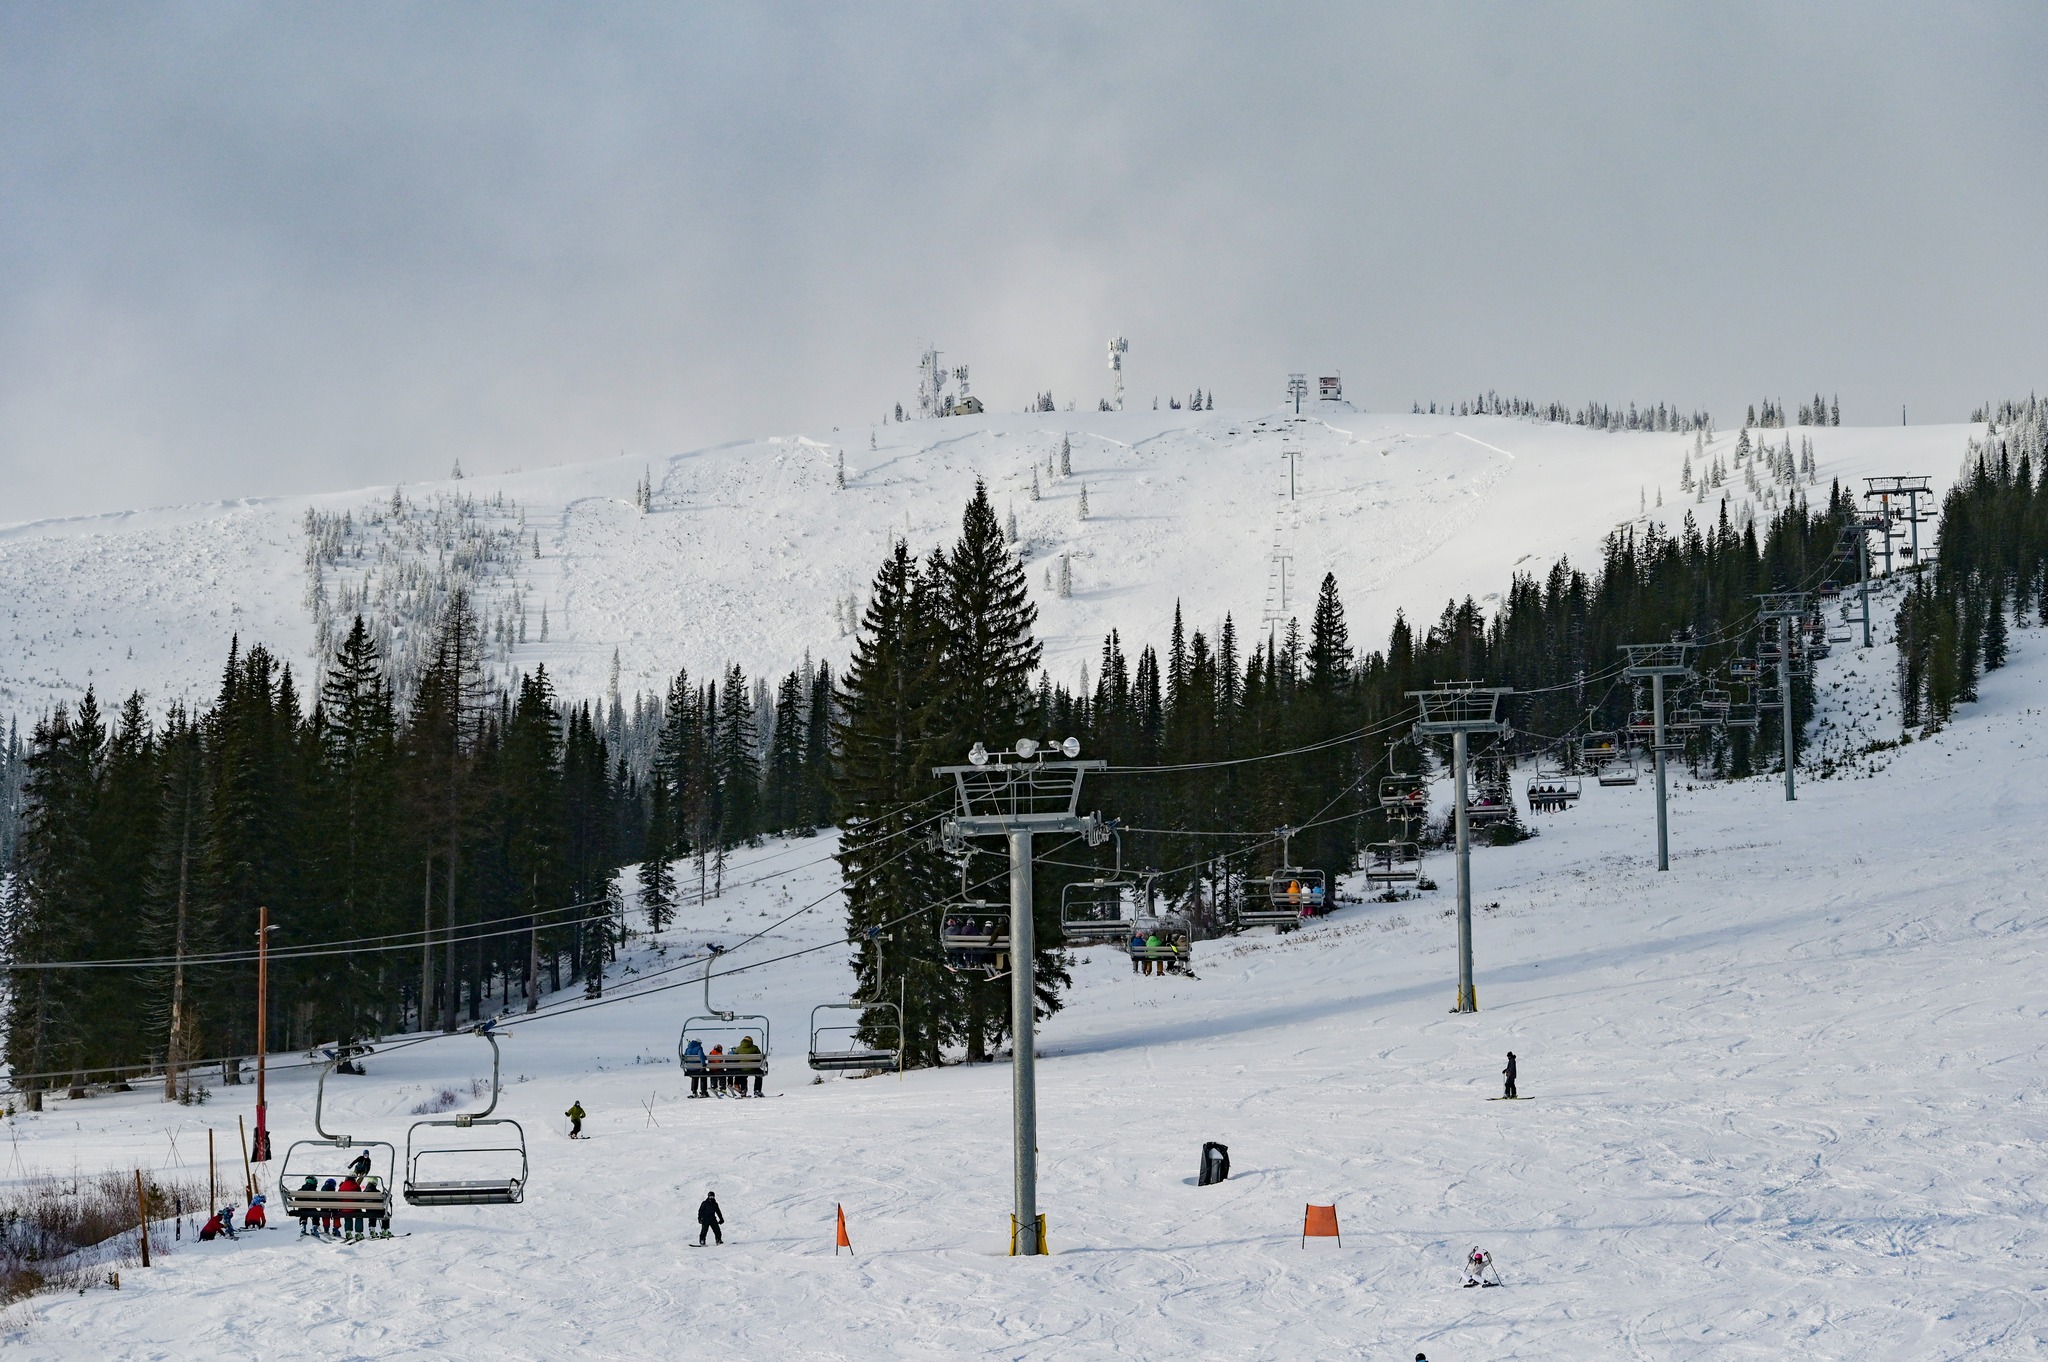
x,y
758,552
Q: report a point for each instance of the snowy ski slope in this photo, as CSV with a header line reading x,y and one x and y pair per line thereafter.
x,y
750,550
1787,1101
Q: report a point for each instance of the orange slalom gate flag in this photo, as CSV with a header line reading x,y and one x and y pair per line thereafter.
x,y
842,1241
1320,1222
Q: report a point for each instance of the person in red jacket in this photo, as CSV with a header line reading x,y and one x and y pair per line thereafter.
x,y
254,1218
352,1222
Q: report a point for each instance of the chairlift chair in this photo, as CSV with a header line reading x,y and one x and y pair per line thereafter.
x,y
712,1029
297,1166
853,1055
1392,863
1618,769
1093,911
1281,898
975,936
499,1186
1829,590
1552,789
1714,703
1171,930
1744,669
1404,796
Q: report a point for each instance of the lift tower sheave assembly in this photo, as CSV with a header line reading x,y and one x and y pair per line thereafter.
x,y
1016,797
1460,711
1658,663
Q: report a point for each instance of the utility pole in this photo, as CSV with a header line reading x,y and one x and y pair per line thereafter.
x,y
1297,388
1461,709
1785,607
263,931
1017,798
1292,456
1658,663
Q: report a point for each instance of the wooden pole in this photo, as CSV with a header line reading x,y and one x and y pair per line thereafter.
x,y
262,1039
212,1192
142,1214
248,1176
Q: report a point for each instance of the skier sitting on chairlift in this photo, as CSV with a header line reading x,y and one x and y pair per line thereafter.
x,y
694,1062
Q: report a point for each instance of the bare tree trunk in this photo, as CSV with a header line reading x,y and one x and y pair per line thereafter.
x,y
174,1047
427,944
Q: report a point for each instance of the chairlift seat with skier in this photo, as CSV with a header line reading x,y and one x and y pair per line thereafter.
x,y
725,1032
1282,898
445,1169
975,936
323,1159
1404,795
1171,931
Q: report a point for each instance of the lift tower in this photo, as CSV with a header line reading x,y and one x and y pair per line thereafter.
x,y
1787,608
1016,796
1658,663
1461,709
1909,490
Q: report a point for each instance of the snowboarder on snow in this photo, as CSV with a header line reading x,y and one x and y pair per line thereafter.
x,y
709,1218
361,1166
1510,1072
575,1113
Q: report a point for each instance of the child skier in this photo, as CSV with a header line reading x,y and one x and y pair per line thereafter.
x,y
709,1218
1478,1267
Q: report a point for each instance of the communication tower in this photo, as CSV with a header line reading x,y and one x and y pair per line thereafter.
x,y
1117,350
931,379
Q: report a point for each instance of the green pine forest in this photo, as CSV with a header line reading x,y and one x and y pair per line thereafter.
x,y
471,847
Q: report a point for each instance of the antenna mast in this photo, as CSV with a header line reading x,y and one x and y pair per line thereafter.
x,y
1117,350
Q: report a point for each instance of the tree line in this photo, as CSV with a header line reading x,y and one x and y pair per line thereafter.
x,y
468,844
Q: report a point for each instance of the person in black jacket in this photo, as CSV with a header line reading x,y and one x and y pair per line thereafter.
x,y
1510,1072
709,1218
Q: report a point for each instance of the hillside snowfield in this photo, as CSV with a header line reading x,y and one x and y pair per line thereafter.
x,y
749,550
1788,1101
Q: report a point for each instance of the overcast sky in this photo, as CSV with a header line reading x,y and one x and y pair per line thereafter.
x,y
248,249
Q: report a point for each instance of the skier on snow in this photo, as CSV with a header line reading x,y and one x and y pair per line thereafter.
x,y
709,1218
575,1113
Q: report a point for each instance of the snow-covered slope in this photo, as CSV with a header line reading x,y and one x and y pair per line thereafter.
x,y
751,552
1787,1101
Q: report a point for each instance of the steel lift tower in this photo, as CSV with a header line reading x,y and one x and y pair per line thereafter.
x,y
1016,796
1462,710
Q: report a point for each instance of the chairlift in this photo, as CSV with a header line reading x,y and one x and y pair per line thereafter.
x,y
712,1031
1284,897
851,1054
1714,703
1599,746
1552,791
371,1201
1404,796
498,1185
1744,669
1829,590
974,935
1392,863
1618,769
1491,798
1094,911
1642,723
1173,937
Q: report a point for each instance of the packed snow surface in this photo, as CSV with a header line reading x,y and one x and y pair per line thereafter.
x,y
1786,1100
753,552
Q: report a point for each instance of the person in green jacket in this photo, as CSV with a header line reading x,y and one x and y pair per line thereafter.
x,y
575,1114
